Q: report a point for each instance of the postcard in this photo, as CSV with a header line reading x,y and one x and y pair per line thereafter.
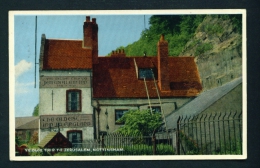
x,y
127,85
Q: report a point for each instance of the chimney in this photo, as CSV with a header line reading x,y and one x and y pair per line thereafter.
x,y
90,40
43,39
119,53
163,73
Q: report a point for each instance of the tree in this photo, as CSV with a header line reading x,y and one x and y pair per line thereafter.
x,y
36,110
177,30
140,122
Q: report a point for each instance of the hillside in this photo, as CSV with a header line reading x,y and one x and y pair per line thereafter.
x,y
217,46
177,29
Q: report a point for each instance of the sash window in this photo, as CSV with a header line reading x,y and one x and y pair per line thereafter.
x,y
73,100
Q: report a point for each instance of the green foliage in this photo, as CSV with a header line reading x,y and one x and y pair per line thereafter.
x,y
178,30
237,23
28,136
192,148
193,43
18,140
161,149
139,122
34,138
213,29
231,148
236,20
36,110
190,144
36,151
203,48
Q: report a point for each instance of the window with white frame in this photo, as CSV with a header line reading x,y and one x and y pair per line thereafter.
x,y
73,100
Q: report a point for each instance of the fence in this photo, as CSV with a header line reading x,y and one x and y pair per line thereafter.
x,y
216,133
158,144
118,144
90,144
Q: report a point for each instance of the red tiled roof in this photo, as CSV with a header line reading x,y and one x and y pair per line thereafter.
x,y
66,54
115,77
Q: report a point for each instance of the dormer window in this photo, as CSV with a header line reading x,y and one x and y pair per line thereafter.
x,y
147,73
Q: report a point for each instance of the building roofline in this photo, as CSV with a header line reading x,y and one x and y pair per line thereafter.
x,y
199,104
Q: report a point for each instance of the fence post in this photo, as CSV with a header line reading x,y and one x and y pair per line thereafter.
x,y
102,144
177,136
154,144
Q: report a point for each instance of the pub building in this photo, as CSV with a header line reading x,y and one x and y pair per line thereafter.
x,y
82,95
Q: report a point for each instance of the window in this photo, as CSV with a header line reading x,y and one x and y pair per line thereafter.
x,y
73,100
155,109
119,114
75,137
146,73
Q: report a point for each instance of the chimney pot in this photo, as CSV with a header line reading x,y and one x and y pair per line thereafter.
x,y
88,18
162,38
94,20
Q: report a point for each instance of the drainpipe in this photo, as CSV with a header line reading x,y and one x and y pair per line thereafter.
x,y
94,123
96,107
98,126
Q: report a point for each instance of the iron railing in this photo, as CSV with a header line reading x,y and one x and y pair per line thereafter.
x,y
209,134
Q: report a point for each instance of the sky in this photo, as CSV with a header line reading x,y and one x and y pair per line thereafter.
x,y
114,31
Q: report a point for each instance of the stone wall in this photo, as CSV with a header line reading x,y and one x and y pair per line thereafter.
x,y
220,68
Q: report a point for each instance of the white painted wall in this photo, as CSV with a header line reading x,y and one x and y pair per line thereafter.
x,y
59,102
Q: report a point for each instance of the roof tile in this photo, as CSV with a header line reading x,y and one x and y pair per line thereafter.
x,y
115,77
66,54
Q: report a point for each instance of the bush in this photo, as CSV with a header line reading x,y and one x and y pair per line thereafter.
x,y
203,48
161,149
34,138
213,29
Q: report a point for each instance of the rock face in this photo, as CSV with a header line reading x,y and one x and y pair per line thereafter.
x,y
218,51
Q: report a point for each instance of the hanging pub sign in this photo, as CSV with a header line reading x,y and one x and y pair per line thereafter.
x,y
66,121
64,81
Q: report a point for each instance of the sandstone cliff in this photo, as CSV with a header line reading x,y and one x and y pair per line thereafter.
x,y
217,47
